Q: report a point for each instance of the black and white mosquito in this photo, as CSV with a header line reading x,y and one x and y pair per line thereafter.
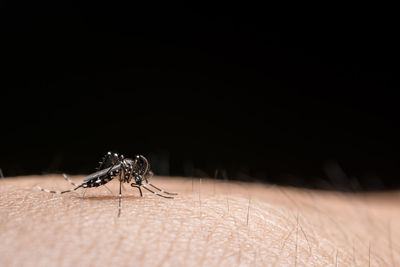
x,y
127,170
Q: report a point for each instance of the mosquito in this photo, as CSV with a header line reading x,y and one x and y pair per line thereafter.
x,y
114,165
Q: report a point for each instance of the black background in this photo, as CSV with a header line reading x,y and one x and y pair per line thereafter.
x,y
304,97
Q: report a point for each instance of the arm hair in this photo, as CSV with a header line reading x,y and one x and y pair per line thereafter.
x,y
209,223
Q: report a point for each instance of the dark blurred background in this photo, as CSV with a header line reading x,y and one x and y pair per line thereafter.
x,y
306,97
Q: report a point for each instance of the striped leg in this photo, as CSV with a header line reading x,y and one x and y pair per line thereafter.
x,y
68,180
162,191
120,194
155,187
144,186
59,192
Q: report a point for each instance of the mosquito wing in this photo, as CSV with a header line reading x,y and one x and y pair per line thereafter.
x,y
101,173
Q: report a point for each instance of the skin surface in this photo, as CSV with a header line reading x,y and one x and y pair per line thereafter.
x,y
210,223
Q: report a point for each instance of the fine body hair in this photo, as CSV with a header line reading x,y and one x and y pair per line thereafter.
x,y
209,223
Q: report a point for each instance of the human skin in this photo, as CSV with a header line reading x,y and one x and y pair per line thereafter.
x,y
210,223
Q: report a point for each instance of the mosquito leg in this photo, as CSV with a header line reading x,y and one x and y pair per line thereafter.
x,y
144,186
151,174
120,194
138,187
112,166
146,162
59,192
162,191
69,180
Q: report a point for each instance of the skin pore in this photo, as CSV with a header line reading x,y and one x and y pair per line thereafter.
x,y
210,223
